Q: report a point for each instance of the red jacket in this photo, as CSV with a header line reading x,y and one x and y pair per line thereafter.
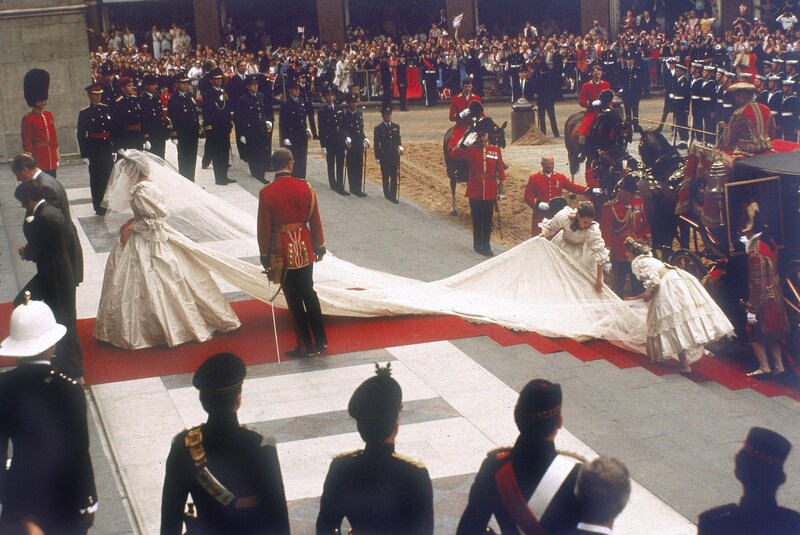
x,y
618,221
540,188
486,170
39,139
458,104
589,93
288,221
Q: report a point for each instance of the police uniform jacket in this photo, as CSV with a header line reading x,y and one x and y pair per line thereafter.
x,y
748,519
354,127
308,104
216,112
293,122
618,221
530,460
43,413
332,132
289,221
94,130
250,115
154,123
541,188
126,115
387,140
631,82
486,171
40,139
379,492
266,88
246,463
182,111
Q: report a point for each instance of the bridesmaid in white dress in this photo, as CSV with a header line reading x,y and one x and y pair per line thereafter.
x,y
681,317
154,292
577,233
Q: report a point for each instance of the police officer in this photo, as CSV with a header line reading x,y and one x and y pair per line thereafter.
x,y
526,466
94,143
266,87
49,481
236,87
217,126
126,115
377,490
631,84
790,111
308,103
253,123
185,133
293,123
356,143
332,135
759,467
388,150
696,91
231,472
708,98
154,124
681,92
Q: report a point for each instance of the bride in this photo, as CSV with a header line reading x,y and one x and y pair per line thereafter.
x,y
153,292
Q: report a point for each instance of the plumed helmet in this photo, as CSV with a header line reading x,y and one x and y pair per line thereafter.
x,y
36,86
33,330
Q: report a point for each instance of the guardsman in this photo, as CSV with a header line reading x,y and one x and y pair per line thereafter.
x,y
356,143
486,177
509,477
631,85
252,126
94,143
107,81
266,87
759,467
217,126
232,473
154,124
682,97
39,136
790,112
293,124
430,75
544,186
332,136
290,240
774,97
708,99
308,103
185,133
127,118
621,217
376,489
465,109
388,150
696,91
48,482
751,128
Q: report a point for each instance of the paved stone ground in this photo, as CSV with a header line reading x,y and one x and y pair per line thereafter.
x,y
678,437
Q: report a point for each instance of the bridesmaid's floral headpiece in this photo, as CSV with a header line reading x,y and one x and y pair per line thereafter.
x,y
635,246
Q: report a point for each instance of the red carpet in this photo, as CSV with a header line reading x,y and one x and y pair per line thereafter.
x,y
254,341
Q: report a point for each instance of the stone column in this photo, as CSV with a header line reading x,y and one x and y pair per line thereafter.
x,y
207,23
332,21
50,35
470,10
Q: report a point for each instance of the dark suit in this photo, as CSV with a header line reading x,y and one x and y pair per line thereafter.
x,y
217,126
354,126
546,101
182,111
387,140
378,491
126,116
243,461
54,282
94,143
748,519
236,87
332,136
387,83
293,125
251,117
401,71
154,124
56,196
43,414
266,87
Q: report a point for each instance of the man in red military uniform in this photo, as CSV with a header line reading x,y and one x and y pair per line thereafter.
x,y
39,137
622,217
465,109
290,229
589,98
751,128
545,186
486,175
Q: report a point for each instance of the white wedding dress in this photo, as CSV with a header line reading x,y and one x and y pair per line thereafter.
x,y
585,246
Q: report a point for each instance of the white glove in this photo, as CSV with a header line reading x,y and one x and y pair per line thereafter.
x,y
751,318
595,103
672,95
400,150
348,141
607,268
543,206
620,90
324,150
243,140
308,133
377,161
464,114
366,143
269,126
174,141
85,160
287,143
147,145
472,137
596,191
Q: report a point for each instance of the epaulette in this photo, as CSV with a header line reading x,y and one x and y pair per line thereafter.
x,y
348,454
86,108
120,98
60,375
102,104
574,455
500,452
408,460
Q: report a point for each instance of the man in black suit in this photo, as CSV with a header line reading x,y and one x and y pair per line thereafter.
x,y
602,491
266,87
54,283
356,143
154,124
252,125
236,87
308,102
48,487
232,473
94,143
523,86
402,81
293,123
217,126
185,134
332,136
546,101
387,81
388,149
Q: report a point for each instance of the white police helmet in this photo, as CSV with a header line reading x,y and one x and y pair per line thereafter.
x,y
33,330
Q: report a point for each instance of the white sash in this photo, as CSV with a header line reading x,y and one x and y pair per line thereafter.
x,y
552,480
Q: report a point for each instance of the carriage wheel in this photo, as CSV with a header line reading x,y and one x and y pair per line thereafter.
x,y
791,290
689,262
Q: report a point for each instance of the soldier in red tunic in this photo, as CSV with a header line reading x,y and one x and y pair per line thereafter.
x,y
751,128
290,229
622,217
545,186
465,109
39,137
486,175
589,98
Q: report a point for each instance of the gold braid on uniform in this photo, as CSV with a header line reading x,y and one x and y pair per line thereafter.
x,y
546,415
761,456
